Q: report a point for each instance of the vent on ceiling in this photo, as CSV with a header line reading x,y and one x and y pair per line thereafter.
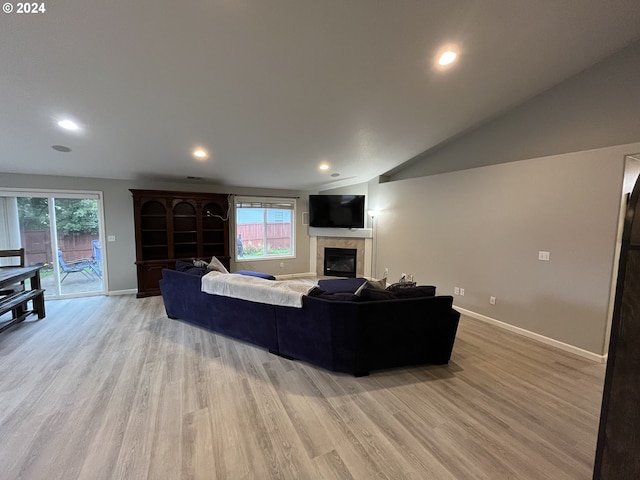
x,y
61,148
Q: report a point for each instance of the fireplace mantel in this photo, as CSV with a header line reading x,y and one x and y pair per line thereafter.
x,y
341,232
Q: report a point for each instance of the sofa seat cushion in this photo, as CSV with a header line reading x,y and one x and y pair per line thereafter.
x,y
249,273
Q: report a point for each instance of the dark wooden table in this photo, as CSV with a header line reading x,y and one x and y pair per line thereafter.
x,y
16,299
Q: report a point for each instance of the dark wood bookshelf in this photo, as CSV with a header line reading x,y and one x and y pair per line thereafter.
x,y
172,226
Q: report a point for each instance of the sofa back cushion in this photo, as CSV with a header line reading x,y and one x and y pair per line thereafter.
x,y
188,267
341,285
334,296
414,292
373,294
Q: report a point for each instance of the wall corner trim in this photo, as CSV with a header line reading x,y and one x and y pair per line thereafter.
x,y
535,336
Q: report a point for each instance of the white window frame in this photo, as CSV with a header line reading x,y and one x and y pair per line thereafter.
x,y
265,203
79,194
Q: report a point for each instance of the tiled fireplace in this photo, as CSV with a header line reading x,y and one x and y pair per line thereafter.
x,y
350,244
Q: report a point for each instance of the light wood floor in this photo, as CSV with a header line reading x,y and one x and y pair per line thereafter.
x,y
110,388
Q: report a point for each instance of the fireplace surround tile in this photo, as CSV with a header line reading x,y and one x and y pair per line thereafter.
x,y
337,242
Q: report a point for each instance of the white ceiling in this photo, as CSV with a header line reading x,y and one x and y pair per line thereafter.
x,y
274,87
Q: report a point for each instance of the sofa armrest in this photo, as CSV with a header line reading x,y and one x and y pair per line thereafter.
x,y
410,331
326,333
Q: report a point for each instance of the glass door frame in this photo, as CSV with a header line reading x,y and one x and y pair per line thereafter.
x,y
51,195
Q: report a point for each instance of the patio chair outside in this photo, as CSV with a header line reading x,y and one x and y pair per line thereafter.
x,y
96,246
84,266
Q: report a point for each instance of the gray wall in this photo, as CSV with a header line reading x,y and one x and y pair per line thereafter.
x,y
118,213
481,229
596,108
481,225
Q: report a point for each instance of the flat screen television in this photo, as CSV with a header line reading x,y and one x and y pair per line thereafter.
x,y
336,211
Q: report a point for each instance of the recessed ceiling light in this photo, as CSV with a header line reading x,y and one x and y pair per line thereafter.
x,y
447,58
200,153
61,148
69,125
324,166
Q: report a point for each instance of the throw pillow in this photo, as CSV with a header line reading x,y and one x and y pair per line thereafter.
x,y
217,266
200,263
187,267
316,292
249,273
196,271
379,284
183,266
374,284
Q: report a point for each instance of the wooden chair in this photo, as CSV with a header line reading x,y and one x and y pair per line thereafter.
x,y
18,287
14,253
19,254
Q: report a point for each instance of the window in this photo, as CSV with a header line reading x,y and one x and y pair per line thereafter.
x,y
265,228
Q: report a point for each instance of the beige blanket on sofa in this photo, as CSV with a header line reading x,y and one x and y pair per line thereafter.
x,y
286,293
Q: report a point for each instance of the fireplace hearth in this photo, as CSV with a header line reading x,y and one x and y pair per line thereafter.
x,y
340,262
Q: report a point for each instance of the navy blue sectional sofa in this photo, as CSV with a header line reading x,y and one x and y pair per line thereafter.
x,y
335,331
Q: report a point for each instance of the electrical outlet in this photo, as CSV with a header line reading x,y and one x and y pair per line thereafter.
x,y
544,256
386,272
456,290
281,264
492,300
462,292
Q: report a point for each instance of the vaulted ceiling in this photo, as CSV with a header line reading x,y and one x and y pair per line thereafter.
x,y
273,88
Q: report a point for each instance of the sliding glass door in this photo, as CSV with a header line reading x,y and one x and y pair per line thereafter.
x,y
61,231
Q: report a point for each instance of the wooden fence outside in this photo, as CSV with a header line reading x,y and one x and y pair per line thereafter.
x,y
279,235
37,246
37,243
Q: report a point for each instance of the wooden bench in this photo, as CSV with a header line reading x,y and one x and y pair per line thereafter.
x,y
15,297
17,304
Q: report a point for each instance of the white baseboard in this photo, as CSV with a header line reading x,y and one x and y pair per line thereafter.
x,y
535,336
122,292
295,275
